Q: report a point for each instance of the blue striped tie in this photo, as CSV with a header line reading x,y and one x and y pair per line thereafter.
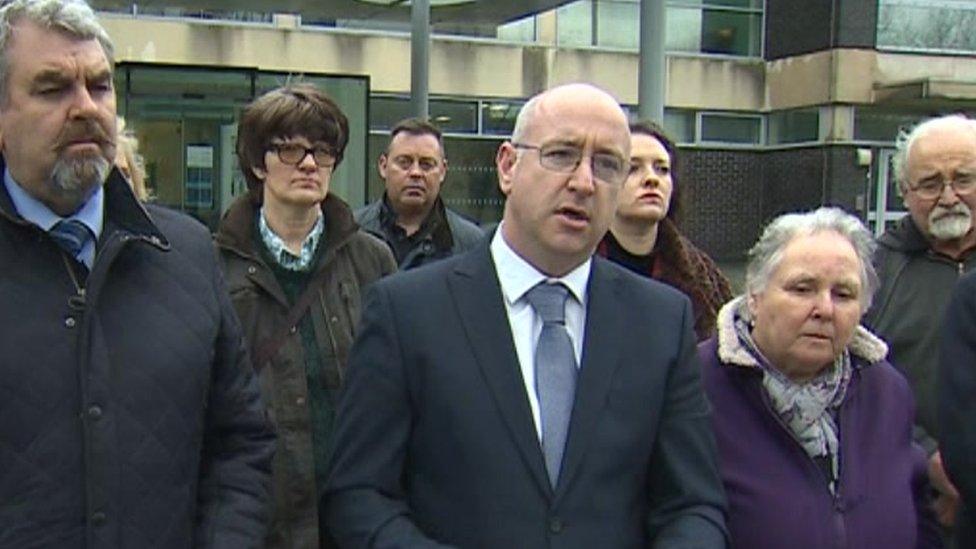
x,y
71,235
555,372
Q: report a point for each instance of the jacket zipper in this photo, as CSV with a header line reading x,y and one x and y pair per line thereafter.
x,y
835,497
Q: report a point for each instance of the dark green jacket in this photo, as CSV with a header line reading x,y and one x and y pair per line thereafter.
x,y
352,260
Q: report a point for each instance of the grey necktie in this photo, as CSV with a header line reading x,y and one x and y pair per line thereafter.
x,y
71,235
555,372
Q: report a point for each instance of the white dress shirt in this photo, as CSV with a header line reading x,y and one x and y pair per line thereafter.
x,y
516,277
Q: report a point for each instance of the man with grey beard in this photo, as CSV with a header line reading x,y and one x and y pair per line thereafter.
x,y
919,262
129,413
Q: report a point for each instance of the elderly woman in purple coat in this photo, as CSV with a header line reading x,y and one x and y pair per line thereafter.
x,y
813,424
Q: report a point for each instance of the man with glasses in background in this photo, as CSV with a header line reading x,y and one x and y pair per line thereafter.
x,y
526,394
919,261
411,216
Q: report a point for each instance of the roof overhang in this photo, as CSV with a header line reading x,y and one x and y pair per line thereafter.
x,y
925,92
476,11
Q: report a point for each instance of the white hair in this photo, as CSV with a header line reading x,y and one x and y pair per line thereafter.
x,y
907,138
766,255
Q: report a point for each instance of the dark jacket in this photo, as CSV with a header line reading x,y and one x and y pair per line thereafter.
x,y
908,309
957,414
130,418
778,495
443,240
350,261
679,264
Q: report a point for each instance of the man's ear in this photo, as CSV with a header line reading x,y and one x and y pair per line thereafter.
x,y
505,160
260,173
381,165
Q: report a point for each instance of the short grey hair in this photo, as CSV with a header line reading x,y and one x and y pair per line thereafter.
x,y
767,253
74,17
906,138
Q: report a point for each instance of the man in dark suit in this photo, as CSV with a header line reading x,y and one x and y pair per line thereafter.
x,y
957,408
465,419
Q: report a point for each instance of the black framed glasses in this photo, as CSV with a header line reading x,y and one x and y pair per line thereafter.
x,y
293,154
563,158
930,189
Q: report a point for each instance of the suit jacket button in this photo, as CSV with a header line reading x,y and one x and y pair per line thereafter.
x,y
95,412
555,525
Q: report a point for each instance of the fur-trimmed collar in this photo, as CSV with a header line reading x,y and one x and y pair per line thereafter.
x,y
864,344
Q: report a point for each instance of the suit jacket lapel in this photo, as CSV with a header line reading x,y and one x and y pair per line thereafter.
x,y
478,298
601,358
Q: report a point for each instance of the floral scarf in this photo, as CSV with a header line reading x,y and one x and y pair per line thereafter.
x,y
808,409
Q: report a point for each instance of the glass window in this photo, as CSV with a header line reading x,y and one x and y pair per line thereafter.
x,y
730,128
732,33
521,30
451,116
745,4
385,112
618,24
795,126
189,82
729,27
922,24
871,124
574,24
684,29
498,117
454,116
680,125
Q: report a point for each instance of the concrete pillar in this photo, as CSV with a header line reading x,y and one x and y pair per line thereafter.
x,y
652,73
419,57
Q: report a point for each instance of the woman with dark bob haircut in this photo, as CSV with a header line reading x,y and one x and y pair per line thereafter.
x,y
644,234
297,266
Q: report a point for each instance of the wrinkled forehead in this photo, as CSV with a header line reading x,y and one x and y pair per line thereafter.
x,y
947,144
62,52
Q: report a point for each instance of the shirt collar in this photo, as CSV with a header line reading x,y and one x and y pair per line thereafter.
x,y
517,276
31,209
281,254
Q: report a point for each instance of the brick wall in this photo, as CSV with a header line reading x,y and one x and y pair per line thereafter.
x,y
731,194
722,200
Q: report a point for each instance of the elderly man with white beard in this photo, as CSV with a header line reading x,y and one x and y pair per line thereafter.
x,y
919,262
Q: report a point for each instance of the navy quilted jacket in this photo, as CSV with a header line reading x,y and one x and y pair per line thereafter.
x,y
130,418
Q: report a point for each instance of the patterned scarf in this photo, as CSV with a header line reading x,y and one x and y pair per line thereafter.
x,y
806,408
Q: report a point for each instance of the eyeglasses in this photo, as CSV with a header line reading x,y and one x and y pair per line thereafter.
x,y
293,154
558,157
930,189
